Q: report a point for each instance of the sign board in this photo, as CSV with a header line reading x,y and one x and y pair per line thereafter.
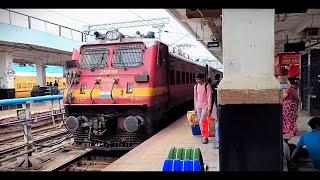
x,y
289,58
10,72
21,114
213,44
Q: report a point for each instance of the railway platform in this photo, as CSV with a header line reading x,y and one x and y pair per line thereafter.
x,y
150,155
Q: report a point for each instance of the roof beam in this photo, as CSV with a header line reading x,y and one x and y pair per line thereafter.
x,y
203,13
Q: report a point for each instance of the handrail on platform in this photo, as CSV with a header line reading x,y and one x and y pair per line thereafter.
x,y
29,99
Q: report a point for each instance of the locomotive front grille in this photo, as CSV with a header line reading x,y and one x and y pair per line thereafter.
x,y
121,140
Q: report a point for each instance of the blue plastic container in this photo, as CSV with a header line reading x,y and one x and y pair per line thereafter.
x,y
195,130
176,165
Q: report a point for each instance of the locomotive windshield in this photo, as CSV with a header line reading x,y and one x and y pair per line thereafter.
x,y
127,56
93,58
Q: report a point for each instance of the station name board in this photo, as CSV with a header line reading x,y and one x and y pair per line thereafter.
x,y
289,58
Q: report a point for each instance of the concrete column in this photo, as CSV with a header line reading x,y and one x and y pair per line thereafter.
x,y
64,67
249,94
41,74
6,61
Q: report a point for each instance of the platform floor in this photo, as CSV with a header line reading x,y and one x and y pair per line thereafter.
x,y
303,127
150,155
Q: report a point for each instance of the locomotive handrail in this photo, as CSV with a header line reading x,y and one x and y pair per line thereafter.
x,y
180,53
29,99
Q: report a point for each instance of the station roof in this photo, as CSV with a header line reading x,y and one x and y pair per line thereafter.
x,y
291,25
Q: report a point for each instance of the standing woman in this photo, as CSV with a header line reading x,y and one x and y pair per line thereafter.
x,y
290,103
202,100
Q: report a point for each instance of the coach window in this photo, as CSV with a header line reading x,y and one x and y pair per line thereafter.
x,y
191,81
187,77
19,86
24,85
183,77
29,85
171,77
177,77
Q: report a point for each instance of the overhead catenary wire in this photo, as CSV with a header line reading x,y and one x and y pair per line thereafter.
x,y
144,19
69,17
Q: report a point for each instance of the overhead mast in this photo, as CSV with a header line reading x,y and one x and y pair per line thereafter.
x,y
156,23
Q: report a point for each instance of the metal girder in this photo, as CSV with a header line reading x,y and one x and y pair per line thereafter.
x,y
202,13
127,24
290,10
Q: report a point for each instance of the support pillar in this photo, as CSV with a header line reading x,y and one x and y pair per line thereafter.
x,y
41,74
249,94
6,61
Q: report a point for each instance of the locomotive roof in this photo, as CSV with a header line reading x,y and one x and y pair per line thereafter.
x,y
148,42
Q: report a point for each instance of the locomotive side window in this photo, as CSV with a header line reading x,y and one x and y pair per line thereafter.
x,y
171,77
177,77
93,58
183,77
187,77
127,56
160,59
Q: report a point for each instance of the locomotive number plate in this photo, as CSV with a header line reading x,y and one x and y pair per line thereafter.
x,y
109,71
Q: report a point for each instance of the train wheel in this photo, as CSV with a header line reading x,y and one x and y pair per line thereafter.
x,y
149,123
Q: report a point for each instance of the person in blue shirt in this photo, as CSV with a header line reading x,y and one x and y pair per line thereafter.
x,y
312,142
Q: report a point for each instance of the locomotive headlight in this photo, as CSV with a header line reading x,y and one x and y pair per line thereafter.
x,y
113,35
129,87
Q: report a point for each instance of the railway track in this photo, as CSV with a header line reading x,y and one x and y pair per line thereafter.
x,y
42,140
93,161
8,138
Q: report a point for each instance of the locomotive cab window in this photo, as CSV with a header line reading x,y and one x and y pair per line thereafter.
x,y
127,56
183,77
171,77
160,59
93,58
187,76
177,77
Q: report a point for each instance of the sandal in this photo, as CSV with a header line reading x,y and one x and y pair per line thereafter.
x,y
205,141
